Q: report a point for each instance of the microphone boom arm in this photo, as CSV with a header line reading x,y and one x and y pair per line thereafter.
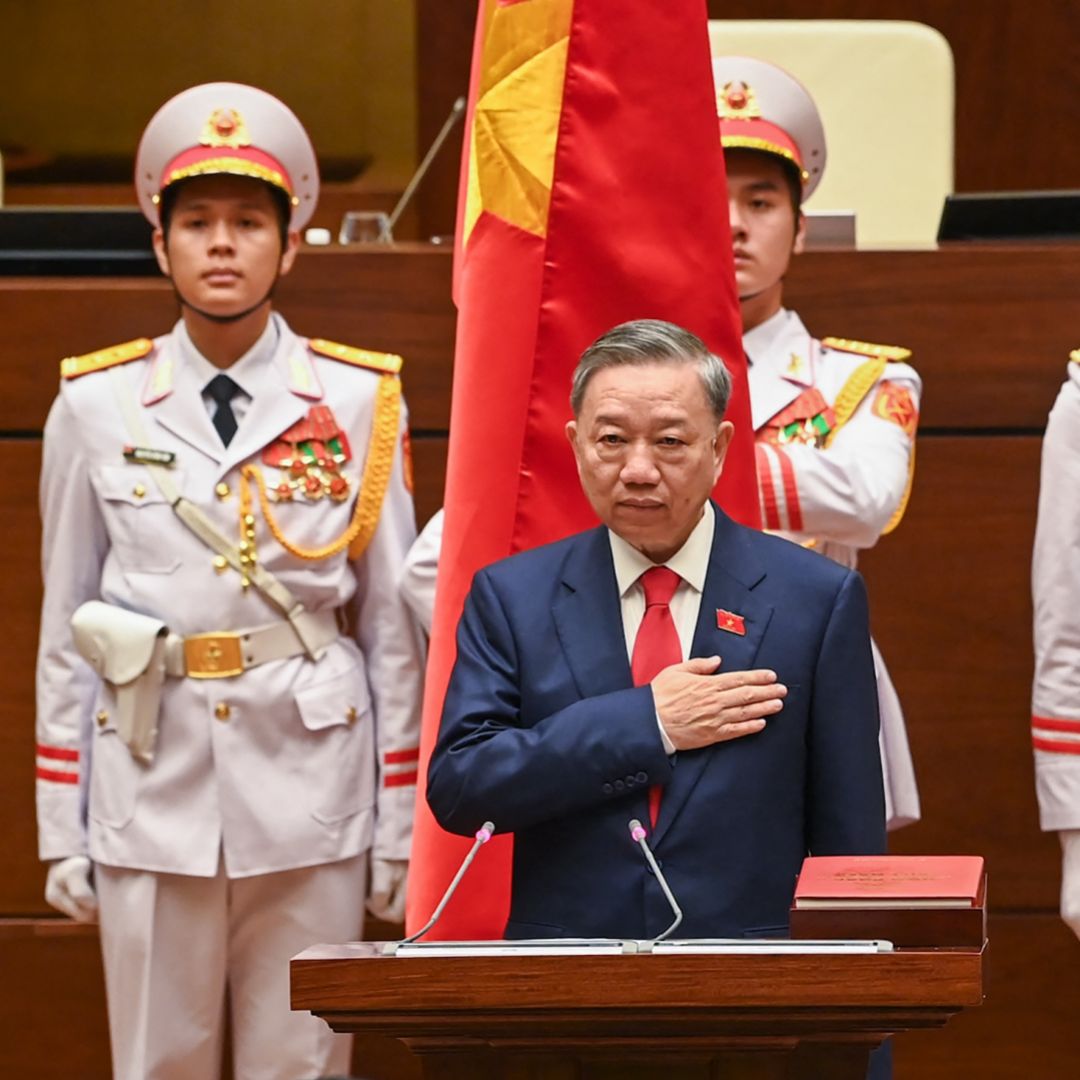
x,y
483,835
638,834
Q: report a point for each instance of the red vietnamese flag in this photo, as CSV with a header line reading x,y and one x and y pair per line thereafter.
x,y
592,193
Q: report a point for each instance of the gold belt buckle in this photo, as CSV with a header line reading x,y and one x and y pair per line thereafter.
x,y
213,656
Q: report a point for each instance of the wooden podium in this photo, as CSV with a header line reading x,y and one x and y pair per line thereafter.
x,y
627,1017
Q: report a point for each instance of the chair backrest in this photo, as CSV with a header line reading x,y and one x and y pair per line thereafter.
x,y
886,94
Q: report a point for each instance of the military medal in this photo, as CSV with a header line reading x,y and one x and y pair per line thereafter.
x,y
807,420
310,456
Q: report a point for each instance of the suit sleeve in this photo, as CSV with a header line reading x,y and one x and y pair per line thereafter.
x,y
73,548
491,762
393,650
845,800
1055,577
848,492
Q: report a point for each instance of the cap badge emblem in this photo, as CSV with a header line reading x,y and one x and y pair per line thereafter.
x,y
737,101
225,127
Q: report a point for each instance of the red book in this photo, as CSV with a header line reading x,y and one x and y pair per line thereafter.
x,y
890,881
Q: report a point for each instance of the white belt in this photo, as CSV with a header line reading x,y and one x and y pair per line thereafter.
x,y
223,654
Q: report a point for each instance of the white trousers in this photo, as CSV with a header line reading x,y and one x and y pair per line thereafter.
x,y
172,944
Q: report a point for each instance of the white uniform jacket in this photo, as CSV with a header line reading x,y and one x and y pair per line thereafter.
x,y
1055,578
422,569
834,430
292,763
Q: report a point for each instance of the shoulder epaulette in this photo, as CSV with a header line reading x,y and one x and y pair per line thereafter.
x,y
72,367
1074,356
865,348
387,363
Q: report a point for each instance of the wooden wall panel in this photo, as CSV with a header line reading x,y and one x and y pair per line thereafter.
x,y
22,879
1033,985
960,657
52,998
21,875
429,462
444,39
990,326
950,607
949,590
391,299
1012,90
1026,1029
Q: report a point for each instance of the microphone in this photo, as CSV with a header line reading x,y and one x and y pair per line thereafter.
x,y
456,111
483,835
638,834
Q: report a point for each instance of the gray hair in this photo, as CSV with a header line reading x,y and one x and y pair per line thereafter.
x,y
652,341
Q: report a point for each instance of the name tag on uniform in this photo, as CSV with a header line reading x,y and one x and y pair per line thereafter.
x,y
145,455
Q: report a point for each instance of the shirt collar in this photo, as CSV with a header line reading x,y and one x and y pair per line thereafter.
x,y
247,372
760,342
690,562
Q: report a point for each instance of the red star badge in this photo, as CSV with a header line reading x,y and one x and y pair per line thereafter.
x,y
729,621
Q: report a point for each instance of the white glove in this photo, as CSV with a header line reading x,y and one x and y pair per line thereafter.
x,y
68,888
386,894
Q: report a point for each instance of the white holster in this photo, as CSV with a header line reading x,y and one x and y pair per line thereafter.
x,y
128,651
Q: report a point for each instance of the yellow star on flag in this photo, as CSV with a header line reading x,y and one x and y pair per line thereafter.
x,y
515,121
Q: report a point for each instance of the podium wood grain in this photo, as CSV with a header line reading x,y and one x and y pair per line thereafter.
x,y
736,1016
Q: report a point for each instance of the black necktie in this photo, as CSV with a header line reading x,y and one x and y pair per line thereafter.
x,y
222,390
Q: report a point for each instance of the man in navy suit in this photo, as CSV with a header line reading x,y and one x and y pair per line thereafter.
x,y
755,746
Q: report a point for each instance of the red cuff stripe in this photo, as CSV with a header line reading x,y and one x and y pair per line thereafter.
x,y
1055,747
57,753
401,757
768,489
406,779
791,493
1056,725
66,777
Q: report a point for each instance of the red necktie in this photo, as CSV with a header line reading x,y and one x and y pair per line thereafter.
x,y
657,644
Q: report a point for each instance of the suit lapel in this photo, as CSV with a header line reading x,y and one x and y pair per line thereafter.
x,y
734,571
588,618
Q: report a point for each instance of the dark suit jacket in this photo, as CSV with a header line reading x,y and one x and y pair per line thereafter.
x,y
544,733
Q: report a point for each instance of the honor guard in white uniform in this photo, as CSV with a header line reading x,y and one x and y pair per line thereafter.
x,y
421,570
1055,578
834,420
228,680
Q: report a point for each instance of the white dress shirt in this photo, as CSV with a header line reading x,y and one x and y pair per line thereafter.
x,y
690,562
247,372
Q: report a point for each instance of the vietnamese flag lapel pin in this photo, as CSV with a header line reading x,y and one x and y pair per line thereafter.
x,y
729,621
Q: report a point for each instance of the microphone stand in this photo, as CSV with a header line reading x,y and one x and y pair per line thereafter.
x,y
638,834
483,835
456,110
